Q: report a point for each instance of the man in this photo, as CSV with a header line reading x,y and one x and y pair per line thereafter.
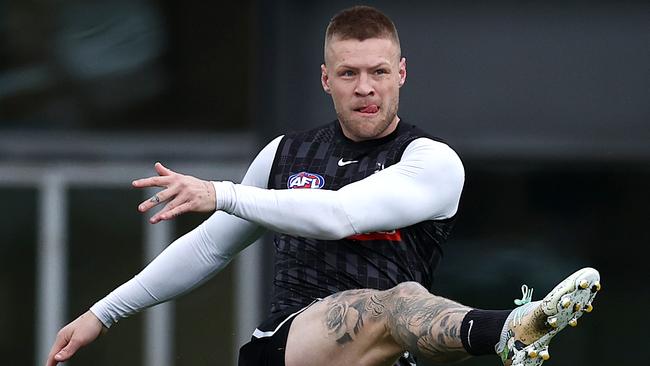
x,y
361,204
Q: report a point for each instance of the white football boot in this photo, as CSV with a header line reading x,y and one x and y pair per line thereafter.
x,y
530,327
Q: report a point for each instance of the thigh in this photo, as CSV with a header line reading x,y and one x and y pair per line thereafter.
x,y
268,342
347,328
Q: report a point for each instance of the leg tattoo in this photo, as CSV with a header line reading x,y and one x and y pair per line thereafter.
x,y
424,324
346,312
427,325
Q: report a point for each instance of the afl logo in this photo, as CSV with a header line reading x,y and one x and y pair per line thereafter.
x,y
305,180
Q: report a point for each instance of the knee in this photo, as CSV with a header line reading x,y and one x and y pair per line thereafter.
x,y
409,289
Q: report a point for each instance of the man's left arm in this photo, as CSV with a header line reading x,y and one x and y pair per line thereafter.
x,y
425,184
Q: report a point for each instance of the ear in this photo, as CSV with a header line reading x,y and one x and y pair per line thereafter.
x,y
324,79
402,71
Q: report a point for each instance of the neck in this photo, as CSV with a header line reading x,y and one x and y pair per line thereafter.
x,y
391,127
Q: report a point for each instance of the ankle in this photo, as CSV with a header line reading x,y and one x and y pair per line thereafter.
x,y
481,330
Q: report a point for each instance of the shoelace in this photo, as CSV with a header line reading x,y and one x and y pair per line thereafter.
x,y
526,298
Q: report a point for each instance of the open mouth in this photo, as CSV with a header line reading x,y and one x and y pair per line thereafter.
x,y
369,109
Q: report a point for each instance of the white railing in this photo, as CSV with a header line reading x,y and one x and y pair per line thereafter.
x,y
52,181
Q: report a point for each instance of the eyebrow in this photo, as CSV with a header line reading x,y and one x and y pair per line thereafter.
x,y
376,66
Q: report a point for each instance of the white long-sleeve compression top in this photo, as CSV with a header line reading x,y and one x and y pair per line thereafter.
x,y
425,184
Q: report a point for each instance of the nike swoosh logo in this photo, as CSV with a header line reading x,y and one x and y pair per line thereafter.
x,y
344,163
469,331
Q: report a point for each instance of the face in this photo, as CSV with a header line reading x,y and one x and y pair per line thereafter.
x,y
364,78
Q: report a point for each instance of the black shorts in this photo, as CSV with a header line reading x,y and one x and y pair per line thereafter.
x,y
269,341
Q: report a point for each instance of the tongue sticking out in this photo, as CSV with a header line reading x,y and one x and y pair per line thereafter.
x,y
369,109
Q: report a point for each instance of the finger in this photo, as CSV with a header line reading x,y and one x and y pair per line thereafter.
x,y
152,182
67,352
158,198
177,201
59,343
163,170
177,211
51,361
149,203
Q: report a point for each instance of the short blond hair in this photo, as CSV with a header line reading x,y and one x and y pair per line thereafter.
x,y
361,22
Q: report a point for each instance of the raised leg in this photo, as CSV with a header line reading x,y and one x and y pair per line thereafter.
x,y
370,327
374,328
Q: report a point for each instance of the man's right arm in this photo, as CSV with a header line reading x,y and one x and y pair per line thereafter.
x,y
185,264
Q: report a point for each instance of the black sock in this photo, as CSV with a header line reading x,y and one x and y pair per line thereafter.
x,y
480,330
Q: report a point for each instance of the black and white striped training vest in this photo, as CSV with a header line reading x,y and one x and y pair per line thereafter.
x,y
305,268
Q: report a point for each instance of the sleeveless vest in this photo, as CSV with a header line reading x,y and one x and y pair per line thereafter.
x,y
306,268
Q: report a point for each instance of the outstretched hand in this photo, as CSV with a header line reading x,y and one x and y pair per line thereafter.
x,y
181,193
73,336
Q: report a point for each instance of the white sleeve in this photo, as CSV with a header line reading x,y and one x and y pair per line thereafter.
x,y
193,258
425,184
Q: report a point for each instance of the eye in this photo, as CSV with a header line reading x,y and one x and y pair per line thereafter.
x,y
381,71
347,73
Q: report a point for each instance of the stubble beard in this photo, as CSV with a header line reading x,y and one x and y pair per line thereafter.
x,y
357,126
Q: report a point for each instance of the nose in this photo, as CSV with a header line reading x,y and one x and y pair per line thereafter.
x,y
363,87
